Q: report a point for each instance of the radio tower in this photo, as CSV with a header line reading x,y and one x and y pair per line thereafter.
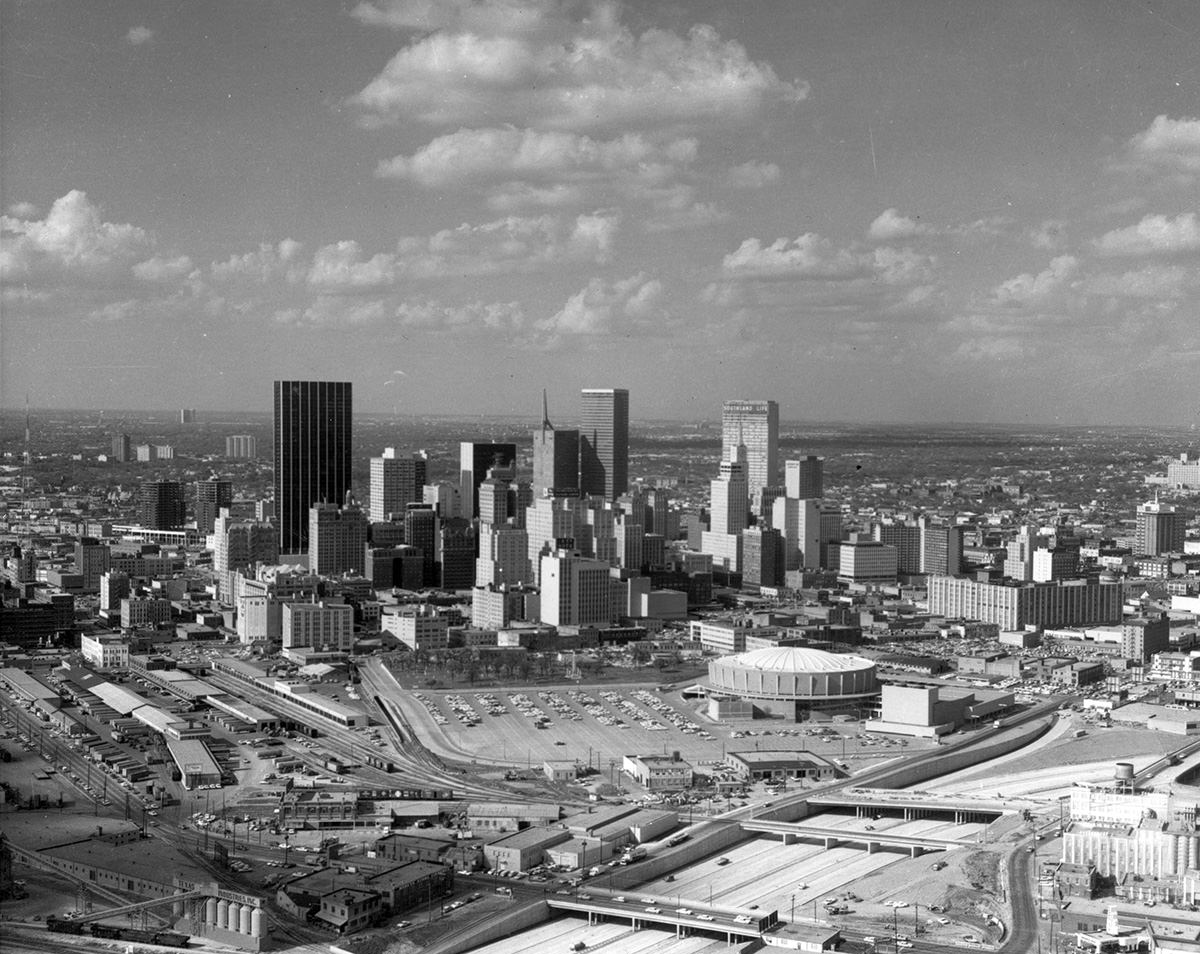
x,y
27,457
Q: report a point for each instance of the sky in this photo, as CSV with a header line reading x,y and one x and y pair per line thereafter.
x,y
868,211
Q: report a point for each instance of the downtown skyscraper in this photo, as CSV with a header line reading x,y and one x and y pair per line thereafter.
x,y
604,442
555,459
756,425
312,434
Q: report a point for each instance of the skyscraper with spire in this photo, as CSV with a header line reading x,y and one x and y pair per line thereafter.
x,y
555,458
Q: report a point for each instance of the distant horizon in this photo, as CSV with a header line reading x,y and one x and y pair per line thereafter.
x,y
19,412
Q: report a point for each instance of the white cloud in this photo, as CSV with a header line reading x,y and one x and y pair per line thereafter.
x,y
1171,145
266,264
1027,288
23,210
159,269
813,257
139,35
341,267
753,175
559,66
1154,234
511,244
514,243
72,240
891,225
624,307
472,154
902,266
430,315
491,16
808,256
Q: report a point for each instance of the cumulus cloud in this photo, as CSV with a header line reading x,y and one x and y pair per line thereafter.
x,y
891,225
23,210
266,264
559,66
341,266
753,175
493,16
430,315
471,154
510,244
813,257
72,240
1168,145
139,35
622,307
160,269
1028,288
808,256
1153,235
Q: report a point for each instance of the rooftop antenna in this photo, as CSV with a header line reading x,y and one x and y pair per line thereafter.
x,y
546,425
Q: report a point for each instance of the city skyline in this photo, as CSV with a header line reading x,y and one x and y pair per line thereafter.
x,y
929,212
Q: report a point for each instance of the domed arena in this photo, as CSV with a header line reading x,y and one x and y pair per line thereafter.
x,y
790,680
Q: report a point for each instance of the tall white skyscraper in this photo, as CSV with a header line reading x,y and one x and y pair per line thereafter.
x,y
396,482
551,524
729,511
755,424
729,492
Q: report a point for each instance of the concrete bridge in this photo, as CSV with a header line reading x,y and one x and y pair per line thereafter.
x,y
916,845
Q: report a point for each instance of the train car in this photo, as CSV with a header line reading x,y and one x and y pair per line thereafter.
x,y
171,939
63,925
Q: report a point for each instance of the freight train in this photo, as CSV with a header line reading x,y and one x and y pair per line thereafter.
x,y
95,929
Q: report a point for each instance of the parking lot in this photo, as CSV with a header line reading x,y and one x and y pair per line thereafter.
x,y
600,724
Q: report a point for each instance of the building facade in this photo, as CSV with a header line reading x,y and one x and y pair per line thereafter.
x,y
312,434
754,424
396,482
604,442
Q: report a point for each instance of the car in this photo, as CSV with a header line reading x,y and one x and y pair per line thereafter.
x,y
705,917
742,919
943,920
684,911
722,861
647,900
653,910
620,899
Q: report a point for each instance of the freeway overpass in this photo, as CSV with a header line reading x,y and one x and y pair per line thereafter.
x,y
690,917
917,845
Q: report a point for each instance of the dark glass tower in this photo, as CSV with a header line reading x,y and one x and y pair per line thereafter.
x,y
161,505
312,438
604,443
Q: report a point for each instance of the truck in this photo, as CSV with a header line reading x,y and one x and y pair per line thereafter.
x,y
634,854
